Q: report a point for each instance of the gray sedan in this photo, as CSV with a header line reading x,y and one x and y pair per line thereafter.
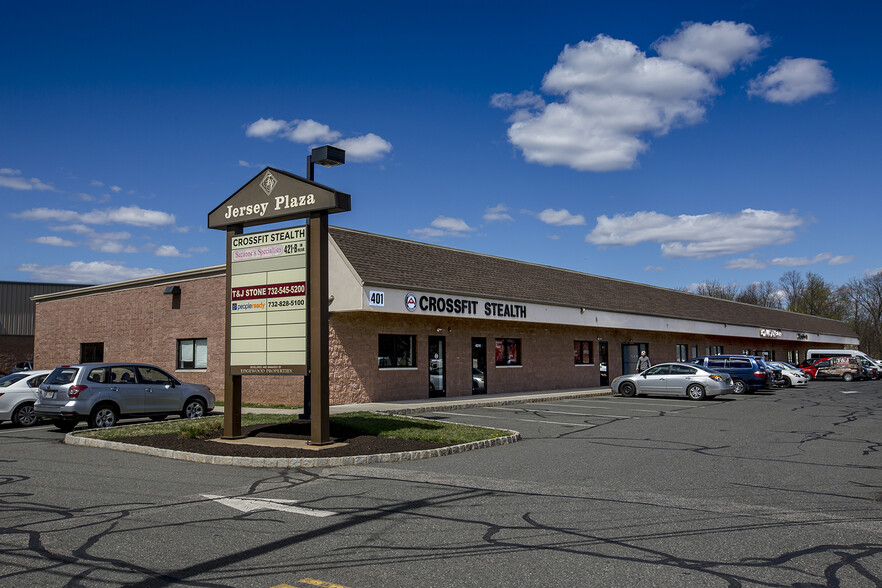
x,y
675,379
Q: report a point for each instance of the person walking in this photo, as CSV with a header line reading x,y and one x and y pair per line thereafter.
x,y
643,362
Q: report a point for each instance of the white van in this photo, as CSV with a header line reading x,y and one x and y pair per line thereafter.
x,y
821,353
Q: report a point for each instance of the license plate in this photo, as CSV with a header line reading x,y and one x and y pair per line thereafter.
x,y
50,393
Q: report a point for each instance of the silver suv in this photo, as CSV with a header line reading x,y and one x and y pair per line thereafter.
x,y
101,393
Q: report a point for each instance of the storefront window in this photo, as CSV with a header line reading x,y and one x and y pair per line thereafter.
x,y
583,352
682,353
717,350
396,351
192,354
508,352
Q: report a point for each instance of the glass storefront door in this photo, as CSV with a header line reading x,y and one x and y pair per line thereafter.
x,y
479,365
437,371
603,352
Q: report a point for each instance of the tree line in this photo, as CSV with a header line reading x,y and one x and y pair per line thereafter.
x,y
857,303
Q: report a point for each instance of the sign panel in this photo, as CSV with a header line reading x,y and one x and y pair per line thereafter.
x,y
268,306
274,195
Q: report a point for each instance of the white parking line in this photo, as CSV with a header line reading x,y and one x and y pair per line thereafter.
x,y
608,416
484,416
595,407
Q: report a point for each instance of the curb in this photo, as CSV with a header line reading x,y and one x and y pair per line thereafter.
x,y
320,462
293,462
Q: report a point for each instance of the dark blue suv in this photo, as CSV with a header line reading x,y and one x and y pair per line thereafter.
x,y
748,373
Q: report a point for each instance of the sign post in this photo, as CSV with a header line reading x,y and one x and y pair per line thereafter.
x,y
268,295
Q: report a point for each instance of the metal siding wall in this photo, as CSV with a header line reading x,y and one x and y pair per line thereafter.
x,y
16,308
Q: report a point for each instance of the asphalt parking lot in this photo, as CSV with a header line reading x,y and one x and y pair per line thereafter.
x,y
779,488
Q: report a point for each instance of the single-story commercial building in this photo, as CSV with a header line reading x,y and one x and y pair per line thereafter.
x,y
412,320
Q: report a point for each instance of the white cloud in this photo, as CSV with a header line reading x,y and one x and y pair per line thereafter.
x,y
265,128
613,95
169,251
840,259
81,272
116,189
746,263
444,226
54,241
497,213
198,249
130,215
561,217
310,131
697,236
11,178
793,80
654,268
368,147
717,47
799,261
872,272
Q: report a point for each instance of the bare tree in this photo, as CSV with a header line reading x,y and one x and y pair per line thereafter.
x,y
765,294
715,289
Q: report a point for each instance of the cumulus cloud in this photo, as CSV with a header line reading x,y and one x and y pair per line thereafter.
x,y
793,80
697,236
497,213
130,215
81,272
12,178
613,95
368,147
54,241
444,226
169,251
198,249
716,47
561,217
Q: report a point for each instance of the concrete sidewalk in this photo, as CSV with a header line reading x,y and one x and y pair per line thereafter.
x,y
446,403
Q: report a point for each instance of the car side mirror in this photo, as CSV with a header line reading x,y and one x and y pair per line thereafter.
x,y
644,375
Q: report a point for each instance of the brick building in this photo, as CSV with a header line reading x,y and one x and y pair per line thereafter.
x,y
410,320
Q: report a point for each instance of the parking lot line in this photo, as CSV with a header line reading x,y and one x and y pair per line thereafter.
x,y
606,416
484,416
597,407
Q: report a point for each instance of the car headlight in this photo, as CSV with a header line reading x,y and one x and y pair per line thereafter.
x,y
716,378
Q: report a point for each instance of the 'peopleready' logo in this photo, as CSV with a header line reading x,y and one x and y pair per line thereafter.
x,y
249,306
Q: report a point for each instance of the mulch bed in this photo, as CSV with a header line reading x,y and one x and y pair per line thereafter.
x,y
356,442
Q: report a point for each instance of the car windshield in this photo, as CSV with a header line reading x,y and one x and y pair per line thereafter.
x,y
61,375
7,381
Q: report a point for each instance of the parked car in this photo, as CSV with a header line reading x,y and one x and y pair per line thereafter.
x,y
748,373
675,379
18,393
479,382
22,366
871,370
792,375
102,393
838,368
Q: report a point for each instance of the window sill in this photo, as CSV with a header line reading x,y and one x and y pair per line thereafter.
x,y
398,369
508,366
192,370
583,364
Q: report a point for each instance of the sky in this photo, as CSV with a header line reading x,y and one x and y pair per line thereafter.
x,y
666,143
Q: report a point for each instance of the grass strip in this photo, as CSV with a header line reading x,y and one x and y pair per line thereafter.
x,y
368,423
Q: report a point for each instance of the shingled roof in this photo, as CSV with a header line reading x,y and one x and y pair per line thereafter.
x,y
386,261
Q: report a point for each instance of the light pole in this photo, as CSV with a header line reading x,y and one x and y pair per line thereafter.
x,y
317,319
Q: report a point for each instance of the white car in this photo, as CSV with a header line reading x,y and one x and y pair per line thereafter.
x,y
792,375
18,392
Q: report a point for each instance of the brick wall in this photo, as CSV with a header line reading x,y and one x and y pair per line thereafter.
x,y
15,348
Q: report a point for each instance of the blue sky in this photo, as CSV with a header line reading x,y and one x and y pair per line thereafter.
x,y
664,143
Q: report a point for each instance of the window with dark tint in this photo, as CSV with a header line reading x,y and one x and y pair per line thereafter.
x,y
97,375
717,350
396,351
91,352
739,363
192,354
61,376
683,370
36,381
122,374
151,375
716,362
11,379
583,352
508,352
659,370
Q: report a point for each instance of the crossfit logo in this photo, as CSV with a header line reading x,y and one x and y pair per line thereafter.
x,y
410,302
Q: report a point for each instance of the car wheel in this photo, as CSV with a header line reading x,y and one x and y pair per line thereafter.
x,y
64,425
740,386
628,389
194,409
103,416
789,381
695,392
808,376
848,376
24,416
